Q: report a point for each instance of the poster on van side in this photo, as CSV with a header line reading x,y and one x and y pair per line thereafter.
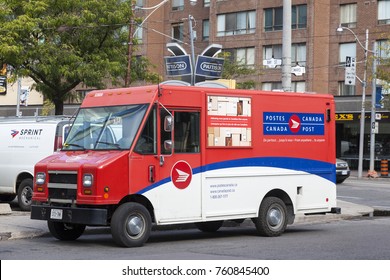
x,y
229,121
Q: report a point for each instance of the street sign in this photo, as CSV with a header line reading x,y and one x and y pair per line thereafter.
x,y
272,62
379,97
298,70
350,71
210,67
178,65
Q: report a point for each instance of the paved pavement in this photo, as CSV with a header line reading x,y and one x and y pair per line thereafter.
x,y
17,224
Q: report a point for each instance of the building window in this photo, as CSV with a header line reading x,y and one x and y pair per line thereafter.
x,y
346,89
177,32
383,12
246,56
383,48
177,5
298,86
298,17
348,15
206,30
242,56
139,3
298,54
273,18
206,3
271,86
346,49
236,23
138,34
272,51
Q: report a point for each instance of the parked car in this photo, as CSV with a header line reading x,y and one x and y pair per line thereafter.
x,y
342,170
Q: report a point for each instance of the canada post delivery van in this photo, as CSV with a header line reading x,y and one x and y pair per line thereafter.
x,y
25,141
167,155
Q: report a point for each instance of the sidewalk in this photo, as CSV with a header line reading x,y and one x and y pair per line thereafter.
x,y
16,224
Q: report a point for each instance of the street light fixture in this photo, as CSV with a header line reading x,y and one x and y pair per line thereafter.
x,y
364,85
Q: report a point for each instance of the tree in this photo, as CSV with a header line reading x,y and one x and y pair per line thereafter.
x,y
233,69
61,44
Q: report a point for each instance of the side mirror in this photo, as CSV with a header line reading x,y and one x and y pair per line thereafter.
x,y
168,123
168,145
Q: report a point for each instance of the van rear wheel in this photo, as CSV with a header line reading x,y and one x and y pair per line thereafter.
x,y
131,225
272,220
25,192
65,231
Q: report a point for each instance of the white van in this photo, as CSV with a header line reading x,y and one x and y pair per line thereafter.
x,y
23,142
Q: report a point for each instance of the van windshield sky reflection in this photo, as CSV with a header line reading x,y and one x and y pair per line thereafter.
x,y
105,128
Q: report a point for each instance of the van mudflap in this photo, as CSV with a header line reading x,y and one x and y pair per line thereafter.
x,y
86,216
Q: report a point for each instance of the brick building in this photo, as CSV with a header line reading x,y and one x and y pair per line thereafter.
x,y
251,31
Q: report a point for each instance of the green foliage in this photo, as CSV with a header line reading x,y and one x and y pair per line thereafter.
x,y
233,69
61,44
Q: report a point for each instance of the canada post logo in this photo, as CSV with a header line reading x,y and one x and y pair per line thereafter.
x,y
282,123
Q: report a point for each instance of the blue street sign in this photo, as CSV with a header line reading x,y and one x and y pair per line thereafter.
x,y
178,65
210,67
379,97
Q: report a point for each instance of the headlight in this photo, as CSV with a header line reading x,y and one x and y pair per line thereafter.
x,y
40,178
87,180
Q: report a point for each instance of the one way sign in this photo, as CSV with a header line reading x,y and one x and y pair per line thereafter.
x,y
350,71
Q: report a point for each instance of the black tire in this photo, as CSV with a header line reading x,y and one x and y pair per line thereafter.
x,y
209,226
7,197
272,220
25,192
64,231
131,225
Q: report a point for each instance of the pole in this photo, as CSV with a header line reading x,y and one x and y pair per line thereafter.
x,y
129,55
373,113
286,47
363,112
190,18
18,97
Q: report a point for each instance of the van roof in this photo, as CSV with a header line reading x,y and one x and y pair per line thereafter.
x,y
34,119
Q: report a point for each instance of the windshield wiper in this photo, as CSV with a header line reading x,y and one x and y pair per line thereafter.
x,y
73,145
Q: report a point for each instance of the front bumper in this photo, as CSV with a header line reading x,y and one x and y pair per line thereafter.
x,y
86,216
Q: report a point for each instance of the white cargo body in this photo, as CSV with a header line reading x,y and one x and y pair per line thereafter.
x,y
24,142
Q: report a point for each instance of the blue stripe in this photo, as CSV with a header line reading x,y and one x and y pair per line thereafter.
x,y
323,169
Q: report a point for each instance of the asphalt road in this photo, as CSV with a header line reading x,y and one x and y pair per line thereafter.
x,y
358,239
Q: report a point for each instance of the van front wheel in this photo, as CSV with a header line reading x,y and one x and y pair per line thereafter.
x,y
131,225
272,220
25,192
64,231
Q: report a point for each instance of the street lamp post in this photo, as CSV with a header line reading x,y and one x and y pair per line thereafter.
x,y
364,85
362,114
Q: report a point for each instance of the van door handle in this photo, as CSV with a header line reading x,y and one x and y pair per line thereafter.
x,y
152,173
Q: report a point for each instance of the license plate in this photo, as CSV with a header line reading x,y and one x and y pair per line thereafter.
x,y
56,214
344,172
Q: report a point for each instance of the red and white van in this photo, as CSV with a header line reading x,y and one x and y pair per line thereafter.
x,y
168,154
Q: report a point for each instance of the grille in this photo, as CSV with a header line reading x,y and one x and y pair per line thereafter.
x,y
63,178
62,194
62,186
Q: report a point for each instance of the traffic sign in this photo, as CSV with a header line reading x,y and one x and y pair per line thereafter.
x,y
350,71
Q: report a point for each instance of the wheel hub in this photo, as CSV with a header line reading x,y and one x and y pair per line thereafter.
x,y
274,217
135,225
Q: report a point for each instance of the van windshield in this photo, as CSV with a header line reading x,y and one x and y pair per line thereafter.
x,y
105,128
